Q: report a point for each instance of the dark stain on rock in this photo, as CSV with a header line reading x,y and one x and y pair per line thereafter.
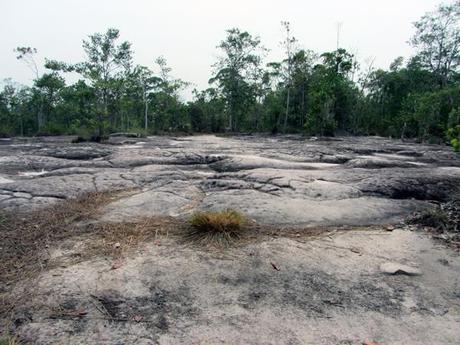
x,y
313,293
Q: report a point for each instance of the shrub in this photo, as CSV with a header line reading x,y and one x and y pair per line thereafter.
x,y
434,218
453,134
221,227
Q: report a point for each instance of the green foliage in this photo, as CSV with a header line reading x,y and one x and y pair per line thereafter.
x,y
429,112
237,73
437,40
433,218
319,94
453,134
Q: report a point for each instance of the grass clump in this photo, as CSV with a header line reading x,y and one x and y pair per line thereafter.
x,y
443,220
218,228
8,341
434,218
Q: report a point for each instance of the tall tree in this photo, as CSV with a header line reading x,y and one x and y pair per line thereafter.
x,y
48,86
236,72
106,62
145,79
288,45
437,39
27,55
169,109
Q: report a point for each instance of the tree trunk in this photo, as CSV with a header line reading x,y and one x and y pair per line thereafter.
x,y
403,132
146,111
287,109
302,113
40,121
22,126
146,117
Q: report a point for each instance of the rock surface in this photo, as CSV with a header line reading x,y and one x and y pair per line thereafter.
x,y
397,268
275,180
280,288
328,290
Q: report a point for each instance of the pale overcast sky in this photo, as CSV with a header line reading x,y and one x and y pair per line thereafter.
x,y
186,32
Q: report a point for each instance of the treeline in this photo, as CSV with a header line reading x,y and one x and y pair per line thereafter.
x,y
318,94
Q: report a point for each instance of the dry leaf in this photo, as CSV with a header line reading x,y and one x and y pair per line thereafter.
x,y
79,312
138,318
275,267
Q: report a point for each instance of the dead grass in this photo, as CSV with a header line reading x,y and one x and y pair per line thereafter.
x,y
25,238
8,341
217,228
117,239
27,241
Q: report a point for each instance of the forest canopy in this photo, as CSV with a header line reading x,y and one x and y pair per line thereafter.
x,y
316,93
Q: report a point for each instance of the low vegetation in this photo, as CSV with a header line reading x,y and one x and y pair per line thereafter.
x,y
443,221
217,228
8,341
454,137
27,241
24,238
434,218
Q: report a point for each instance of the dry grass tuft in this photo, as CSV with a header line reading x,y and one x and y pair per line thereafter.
x,y
216,228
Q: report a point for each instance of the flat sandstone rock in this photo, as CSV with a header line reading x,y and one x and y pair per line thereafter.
x,y
341,286
274,180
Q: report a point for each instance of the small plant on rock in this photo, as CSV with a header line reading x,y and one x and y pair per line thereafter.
x,y
219,228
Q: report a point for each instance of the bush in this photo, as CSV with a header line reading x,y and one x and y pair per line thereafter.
x,y
221,227
434,218
453,135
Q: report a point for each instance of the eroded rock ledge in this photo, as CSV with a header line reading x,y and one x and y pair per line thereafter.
x,y
276,180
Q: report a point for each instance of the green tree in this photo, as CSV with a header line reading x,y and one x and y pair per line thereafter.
x,y
236,73
437,39
27,55
288,44
48,87
104,68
